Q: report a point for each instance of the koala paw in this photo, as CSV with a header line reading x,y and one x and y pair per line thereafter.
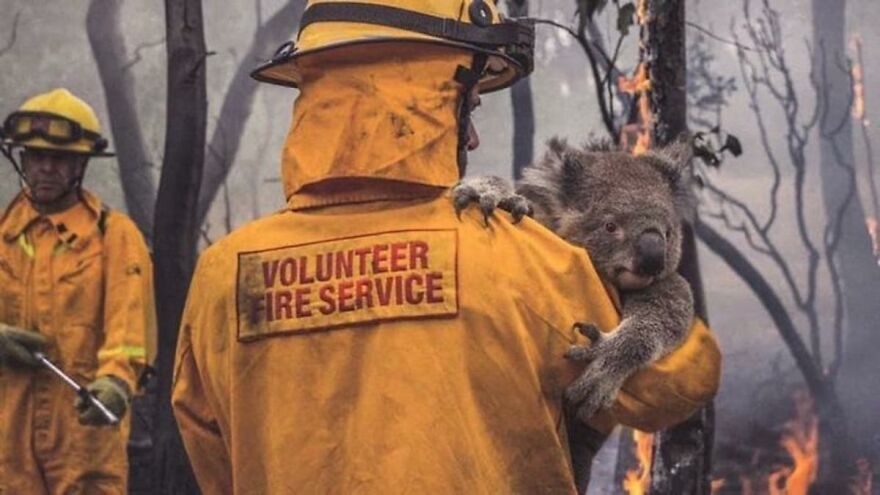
x,y
491,193
595,389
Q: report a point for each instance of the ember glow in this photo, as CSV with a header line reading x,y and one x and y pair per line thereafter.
x,y
801,441
638,481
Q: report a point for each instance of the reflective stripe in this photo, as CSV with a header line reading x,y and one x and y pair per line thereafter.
x,y
124,350
26,245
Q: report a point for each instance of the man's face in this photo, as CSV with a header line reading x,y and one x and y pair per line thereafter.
x,y
50,174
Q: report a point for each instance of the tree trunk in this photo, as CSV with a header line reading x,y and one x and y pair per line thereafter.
x,y
176,226
859,272
238,102
682,454
104,29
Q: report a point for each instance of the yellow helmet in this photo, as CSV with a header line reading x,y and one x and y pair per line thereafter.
x,y
56,120
474,25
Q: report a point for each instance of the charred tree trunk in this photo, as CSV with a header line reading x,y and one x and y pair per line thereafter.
x,y
523,108
104,29
859,272
682,455
238,102
176,226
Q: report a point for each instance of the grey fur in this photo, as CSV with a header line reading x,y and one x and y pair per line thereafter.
x,y
619,207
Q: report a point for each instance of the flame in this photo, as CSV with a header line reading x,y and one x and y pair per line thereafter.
x,y
639,84
874,233
638,481
858,75
801,441
862,484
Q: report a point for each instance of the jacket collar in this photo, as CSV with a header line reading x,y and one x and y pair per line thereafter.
x,y
72,225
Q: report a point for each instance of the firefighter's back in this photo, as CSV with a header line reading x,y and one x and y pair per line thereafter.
x,y
389,347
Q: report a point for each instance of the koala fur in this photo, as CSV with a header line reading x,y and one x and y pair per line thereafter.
x,y
627,212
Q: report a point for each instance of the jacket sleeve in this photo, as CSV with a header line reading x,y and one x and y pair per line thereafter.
x,y
191,392
129,308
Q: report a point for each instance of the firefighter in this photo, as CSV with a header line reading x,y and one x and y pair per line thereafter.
x,y
76,285
364,339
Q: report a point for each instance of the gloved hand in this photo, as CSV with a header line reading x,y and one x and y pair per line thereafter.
x,y
17,346
112,392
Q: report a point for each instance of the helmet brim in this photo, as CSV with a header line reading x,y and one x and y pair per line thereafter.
x,y
503,70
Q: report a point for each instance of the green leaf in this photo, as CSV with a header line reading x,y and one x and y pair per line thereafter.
x,y
625,17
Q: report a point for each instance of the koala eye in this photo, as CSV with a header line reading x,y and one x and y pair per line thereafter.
x,y
610,227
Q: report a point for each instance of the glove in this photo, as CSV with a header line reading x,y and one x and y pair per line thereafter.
x,y
112,392
17,346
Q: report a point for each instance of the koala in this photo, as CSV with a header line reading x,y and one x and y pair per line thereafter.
x,y
627,212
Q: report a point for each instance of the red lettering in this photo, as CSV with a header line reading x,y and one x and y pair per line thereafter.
x,y
383,290
269,272
344,262
418,253
302,302
326,295
398,290
288,271
346,296
324,267
380,258
270,315
304,277
283,299
362,253
412,295
364,293
434,283
398,256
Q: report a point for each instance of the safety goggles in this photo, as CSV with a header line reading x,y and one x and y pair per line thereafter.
x,y
22,126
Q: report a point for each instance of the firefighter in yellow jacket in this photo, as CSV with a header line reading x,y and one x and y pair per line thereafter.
x,y
364,339
76,285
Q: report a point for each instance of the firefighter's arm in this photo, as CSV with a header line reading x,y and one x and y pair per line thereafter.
x,y
129,308
198,428
191,393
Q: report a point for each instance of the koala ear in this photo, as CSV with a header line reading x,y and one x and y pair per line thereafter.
x,y
674,162
675,157
571,180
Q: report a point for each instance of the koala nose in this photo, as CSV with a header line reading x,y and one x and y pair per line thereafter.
x,y
650,253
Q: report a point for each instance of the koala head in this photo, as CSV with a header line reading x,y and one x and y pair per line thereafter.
x,y
626,210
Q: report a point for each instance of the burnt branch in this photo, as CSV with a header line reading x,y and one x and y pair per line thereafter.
x,y
12,34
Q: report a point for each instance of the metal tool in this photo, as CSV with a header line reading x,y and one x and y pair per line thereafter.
x,y
80,390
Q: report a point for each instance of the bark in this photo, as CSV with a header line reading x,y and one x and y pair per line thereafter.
x,y
682,454
523,108
860,275
238,103
176,226
104,28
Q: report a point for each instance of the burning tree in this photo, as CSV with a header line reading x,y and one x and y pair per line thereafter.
x,y
766,73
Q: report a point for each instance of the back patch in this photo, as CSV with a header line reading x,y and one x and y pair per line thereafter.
x,y
369,278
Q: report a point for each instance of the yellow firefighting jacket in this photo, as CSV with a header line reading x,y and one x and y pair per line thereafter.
x,y
83,279
365,340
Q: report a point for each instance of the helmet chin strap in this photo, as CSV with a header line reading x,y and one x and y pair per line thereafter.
x,y
74,184
468,78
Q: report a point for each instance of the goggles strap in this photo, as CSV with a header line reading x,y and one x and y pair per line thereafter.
x,y
468,78
505,33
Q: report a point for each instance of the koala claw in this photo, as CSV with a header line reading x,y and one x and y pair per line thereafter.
x,y
517,206
596,389
491,193
463,195
580,353
589,331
